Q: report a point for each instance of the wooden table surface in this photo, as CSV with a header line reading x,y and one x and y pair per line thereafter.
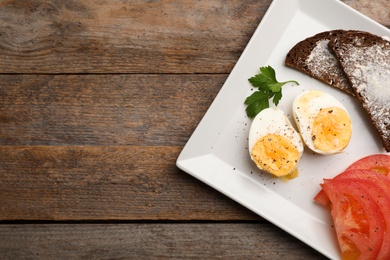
x,y
97,99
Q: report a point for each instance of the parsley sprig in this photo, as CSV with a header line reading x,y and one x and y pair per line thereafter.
x,y
268,87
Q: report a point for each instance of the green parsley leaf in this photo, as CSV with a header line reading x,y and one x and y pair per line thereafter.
x,y
256,102
268,88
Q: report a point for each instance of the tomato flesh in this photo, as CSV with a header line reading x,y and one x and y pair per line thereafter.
x,y
321,198
378,186
358,222
359,199
376,162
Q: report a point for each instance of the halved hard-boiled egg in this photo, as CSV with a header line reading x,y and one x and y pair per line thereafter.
x,y
323,122
274,145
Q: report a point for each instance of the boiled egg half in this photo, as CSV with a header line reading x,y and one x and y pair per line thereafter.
x,y
323,122
274,145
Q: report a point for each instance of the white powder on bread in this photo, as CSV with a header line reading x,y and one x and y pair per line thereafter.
x,y
369,72
370,78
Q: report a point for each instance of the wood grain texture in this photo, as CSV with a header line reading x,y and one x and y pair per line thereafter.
x,y
105,183
134,37
125,36
103,109
378,10
151,241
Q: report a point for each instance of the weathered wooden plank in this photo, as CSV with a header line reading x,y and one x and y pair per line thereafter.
x,y
378,10
103,183
125,36
103,109
151,241
134,37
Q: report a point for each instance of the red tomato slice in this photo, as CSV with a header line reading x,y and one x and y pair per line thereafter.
x,y
321,198
358,222
375,162
378,186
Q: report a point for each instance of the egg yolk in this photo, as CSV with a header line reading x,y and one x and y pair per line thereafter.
x,y
275,154
332,129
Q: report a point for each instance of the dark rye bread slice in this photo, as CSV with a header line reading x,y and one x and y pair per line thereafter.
x,y
313,57
365,60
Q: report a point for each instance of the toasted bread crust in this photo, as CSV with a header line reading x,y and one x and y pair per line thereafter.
x,y
365,60
313,57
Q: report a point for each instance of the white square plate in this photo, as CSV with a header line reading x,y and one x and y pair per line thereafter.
x,y
217,152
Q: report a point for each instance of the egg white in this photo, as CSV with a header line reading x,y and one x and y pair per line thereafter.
x,y
273,121
305,108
